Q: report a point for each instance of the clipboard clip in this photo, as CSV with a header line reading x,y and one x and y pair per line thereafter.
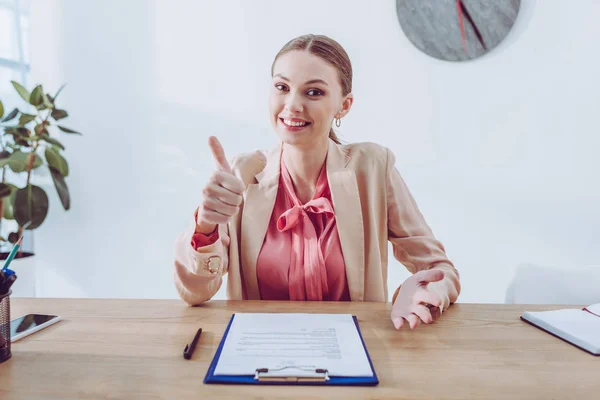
x,y
301,374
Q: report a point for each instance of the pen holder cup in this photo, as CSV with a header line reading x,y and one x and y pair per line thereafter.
x,y
5,326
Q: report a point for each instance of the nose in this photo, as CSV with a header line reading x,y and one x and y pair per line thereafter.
x,y
293,103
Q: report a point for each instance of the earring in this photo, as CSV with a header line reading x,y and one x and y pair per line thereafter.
x,y
338,122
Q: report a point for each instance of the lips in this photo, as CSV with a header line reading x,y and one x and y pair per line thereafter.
x,y
294,122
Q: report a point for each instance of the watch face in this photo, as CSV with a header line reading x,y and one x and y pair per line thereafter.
x,y
456,30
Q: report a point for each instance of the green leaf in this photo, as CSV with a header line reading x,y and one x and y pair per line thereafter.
x,y
57,93
31,204
52,141
21,90
8,203
18,161
67,130
47,102
21,137
59,114
37,162
5,190
18,132
1,110
61,188
56,161
24,119
40,129
11,115
36,97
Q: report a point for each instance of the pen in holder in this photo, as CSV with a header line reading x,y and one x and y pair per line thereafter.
x,y
5,326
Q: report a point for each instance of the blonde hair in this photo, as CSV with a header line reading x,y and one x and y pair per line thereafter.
x,y
330,51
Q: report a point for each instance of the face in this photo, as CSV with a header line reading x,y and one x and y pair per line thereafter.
x,y
305,97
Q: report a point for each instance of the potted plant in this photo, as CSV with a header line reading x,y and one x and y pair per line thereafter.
x,y
26,146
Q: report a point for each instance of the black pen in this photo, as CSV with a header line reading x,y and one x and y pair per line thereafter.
x,y
189,348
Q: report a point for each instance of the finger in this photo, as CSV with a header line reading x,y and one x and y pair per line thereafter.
x,y
213,217
220,207
435,313
225,195
398,322
228,181
413,320
424,296
423,313
431,275
219,154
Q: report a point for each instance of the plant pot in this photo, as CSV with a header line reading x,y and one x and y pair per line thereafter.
x,y
24,266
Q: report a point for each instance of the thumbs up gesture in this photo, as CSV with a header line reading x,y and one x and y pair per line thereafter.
x,y
222,193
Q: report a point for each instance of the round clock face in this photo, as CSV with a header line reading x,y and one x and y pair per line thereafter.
x,y
456,30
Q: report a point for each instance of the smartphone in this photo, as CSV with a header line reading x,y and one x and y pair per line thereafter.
x,y
30,323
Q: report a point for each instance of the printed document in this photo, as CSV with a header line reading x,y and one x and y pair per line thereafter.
x,y
294,344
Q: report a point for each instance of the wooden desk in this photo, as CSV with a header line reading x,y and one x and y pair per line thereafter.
x,y
130,349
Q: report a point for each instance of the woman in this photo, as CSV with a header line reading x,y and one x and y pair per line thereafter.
x,y
310,220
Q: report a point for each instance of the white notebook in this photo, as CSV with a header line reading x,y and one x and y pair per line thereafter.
x,y
580,327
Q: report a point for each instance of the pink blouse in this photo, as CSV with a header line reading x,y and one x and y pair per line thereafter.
x,y
301,257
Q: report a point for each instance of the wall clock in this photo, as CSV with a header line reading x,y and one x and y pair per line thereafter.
x,y
456,30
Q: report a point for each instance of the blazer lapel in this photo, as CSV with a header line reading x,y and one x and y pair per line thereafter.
x,y
348,215
259,203
260,199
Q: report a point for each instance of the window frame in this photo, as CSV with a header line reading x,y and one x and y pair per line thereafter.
x,y
19,65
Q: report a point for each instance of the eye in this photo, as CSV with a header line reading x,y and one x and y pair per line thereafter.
x,y
280,86
315,92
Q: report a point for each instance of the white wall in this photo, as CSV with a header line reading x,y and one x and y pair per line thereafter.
x,y
500,152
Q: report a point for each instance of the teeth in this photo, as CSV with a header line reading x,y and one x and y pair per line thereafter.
x,y
292,123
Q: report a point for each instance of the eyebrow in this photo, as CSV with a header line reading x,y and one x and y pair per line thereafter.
x,y
306,83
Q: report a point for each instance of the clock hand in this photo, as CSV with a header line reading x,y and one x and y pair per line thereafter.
x,y
462,24
477,33
463,10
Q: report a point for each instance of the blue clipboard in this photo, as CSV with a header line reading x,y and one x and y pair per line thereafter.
x,y
253,380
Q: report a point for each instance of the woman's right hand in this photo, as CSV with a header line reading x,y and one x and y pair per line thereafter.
x,y
222,193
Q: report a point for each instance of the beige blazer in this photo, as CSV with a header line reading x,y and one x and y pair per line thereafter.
x,y
372,205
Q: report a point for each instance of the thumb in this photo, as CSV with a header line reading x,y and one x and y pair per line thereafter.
x,y
219,154
397,322
432,275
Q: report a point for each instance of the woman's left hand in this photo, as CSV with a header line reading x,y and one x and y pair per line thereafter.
x,y
414,300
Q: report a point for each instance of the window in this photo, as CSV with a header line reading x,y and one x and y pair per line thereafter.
x,y
14,54
14,66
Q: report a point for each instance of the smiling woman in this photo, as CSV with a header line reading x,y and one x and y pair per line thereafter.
x,y
315,216
339,69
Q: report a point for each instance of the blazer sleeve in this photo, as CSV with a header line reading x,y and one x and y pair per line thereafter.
x,y
413,242
193,282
